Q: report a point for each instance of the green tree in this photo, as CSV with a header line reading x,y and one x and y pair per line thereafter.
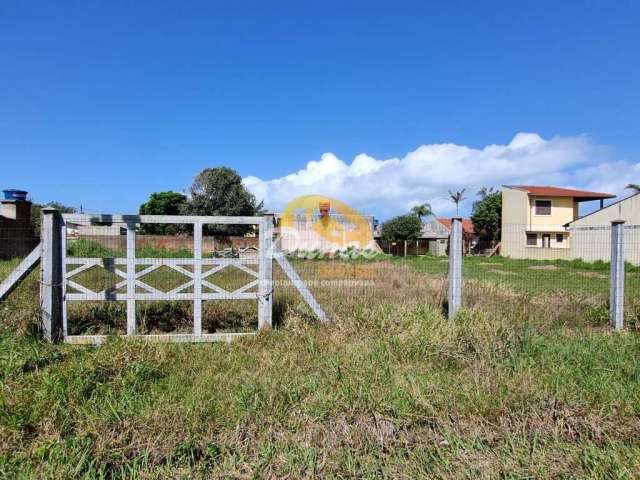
x,y
422,211
220,191
403,227
487,216
634,186
163,203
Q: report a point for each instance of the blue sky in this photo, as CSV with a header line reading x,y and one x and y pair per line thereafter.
x,y
102,103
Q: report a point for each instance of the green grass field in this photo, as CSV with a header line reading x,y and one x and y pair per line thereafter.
x,y
526,383
534,277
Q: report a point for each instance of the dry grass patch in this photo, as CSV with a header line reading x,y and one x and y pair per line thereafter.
x,y
543,267
501,272
591,275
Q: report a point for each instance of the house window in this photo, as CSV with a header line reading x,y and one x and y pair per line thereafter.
x,y
543,207
559,238
532,239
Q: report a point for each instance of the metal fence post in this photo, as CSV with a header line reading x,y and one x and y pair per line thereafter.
x,y
455,266
616,293
265,290
51,289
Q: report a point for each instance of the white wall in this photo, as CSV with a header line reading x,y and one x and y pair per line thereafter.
x,y
627,209
591,234
594,243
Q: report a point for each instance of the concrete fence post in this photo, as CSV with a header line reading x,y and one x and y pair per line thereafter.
x,y
131,278
197,278
265,288
616,293
455,266
52,274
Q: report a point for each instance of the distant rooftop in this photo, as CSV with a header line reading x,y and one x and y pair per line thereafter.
x,y
545,191
467,224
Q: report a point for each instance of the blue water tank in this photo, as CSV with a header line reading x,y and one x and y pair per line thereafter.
x,y
13,194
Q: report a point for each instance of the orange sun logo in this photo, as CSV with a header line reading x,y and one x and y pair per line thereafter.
x,y
316,222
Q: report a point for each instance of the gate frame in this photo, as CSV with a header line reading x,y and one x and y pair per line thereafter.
x,y
55,278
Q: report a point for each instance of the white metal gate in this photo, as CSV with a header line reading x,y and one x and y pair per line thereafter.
x,y
57,267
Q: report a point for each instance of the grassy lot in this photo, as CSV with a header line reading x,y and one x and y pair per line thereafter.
x,y
521,385
533,276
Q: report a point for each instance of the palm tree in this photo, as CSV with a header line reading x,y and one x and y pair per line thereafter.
x,y
484,191
457,197
421,211
634,186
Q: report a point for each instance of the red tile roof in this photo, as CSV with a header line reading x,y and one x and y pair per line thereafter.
x,y
467,224
561,192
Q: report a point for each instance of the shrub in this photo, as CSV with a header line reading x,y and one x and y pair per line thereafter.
x,y
403,227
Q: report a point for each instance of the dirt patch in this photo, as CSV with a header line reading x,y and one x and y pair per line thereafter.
x,y
501,272
592,275
543,267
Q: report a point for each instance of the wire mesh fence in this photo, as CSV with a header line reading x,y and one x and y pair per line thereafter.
x,y
91,252
632,276
346,268
19,237
563,274
344,286
543,269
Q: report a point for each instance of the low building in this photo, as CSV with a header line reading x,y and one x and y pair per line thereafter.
x,y
591,234
17,234
535,218
84,227
435,235
433,239
469,237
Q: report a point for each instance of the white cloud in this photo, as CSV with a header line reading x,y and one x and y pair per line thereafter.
x,y
391,186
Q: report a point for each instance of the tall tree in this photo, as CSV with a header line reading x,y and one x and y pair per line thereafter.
x,y
487,216
634,186
220,191
457,197
163,203
404,227
483,193
422,211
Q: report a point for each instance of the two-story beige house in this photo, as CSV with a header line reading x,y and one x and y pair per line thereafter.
x,y
535,218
